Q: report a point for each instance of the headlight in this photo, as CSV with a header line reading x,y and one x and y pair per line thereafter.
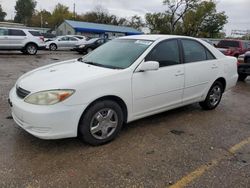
x,y
48,97
81,46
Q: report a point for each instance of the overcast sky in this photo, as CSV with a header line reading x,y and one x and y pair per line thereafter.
x,y
237,10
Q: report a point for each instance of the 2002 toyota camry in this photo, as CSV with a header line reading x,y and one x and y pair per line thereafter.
x,y
124,80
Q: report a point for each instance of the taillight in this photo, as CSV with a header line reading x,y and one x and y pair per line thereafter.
x,y
228,51
42,38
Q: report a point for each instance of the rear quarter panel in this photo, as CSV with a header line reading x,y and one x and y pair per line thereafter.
x,y
230,71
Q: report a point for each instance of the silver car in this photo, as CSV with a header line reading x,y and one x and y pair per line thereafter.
x,y
62,42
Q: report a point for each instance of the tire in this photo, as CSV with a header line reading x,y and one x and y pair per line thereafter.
x,y
101,123
31,49
52,47
89,50
213,97
242,77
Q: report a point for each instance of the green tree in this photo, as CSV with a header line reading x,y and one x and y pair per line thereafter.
x,y
158,23
188,17
41,19
101,15
59,14
136,22
204,21
2,14
24,11
176,9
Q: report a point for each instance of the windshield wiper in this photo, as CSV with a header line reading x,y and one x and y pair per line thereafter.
x,y
97,64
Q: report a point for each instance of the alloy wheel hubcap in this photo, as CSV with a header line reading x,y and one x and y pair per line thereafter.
x,y
31,49
215,95
53,47
104,123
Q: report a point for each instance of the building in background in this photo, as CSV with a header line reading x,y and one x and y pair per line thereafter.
x,y
69,27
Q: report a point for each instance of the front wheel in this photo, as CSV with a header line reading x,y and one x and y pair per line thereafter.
x,y
52,47
101,123
213,97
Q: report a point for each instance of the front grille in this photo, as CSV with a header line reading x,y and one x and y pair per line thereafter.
x,y
22,93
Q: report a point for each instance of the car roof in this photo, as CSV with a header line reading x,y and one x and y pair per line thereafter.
x,y
154,37
18,28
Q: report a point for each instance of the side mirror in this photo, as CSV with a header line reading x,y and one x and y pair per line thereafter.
x,y
148,66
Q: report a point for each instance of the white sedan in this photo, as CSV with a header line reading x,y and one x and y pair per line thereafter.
x,y
124,80
63,42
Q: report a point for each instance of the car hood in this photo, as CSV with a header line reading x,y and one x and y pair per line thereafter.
x,y
63,75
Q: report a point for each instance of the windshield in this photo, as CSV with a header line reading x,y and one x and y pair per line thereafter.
x,y
118,53
228,43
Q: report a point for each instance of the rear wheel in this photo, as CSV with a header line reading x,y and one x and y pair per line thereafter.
x,y
53,47
101,123
242,77
31,49
213,97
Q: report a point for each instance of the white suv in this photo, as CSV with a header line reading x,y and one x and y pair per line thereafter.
x,y
26,40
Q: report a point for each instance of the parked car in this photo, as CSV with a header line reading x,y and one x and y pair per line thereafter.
x,y
81,37
244,67
26,40
121,81
62,42
89,46
233,47
48,36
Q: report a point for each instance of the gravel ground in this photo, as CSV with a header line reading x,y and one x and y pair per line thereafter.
x,y
156,151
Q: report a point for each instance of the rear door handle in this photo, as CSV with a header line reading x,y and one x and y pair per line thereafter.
x,y
214,66
179,73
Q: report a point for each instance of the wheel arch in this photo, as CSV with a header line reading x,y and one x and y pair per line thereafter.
x,y
117,99
30,43
223,81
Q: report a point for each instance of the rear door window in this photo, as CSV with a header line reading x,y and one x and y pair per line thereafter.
x,y
194,51
35,33
16,32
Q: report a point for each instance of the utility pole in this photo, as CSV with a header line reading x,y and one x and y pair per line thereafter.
x,y
41,19
74,11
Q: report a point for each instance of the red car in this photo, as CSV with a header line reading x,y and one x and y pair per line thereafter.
x,y
233,47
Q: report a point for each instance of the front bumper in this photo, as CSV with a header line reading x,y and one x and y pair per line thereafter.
x,y
46,122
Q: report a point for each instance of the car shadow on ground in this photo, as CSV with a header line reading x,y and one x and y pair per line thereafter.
x,y
74,143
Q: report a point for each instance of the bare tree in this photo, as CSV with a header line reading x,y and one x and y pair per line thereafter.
x,y
177,9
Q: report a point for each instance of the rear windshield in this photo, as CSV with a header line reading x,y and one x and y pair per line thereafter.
x,y
228,43
48,35
35,33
